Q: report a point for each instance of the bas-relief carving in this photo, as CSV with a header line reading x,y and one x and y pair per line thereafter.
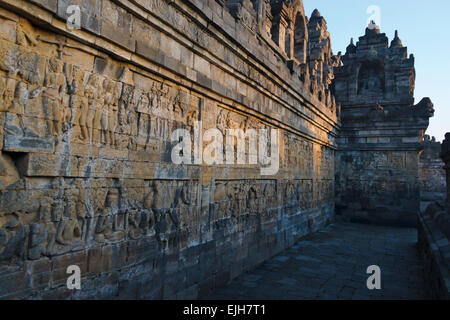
x,y
235,198
240,197
299,154
374,161
62,221
73,108
110,223
244,11
102,111
54,97
12,237
7,89
96,109
306,194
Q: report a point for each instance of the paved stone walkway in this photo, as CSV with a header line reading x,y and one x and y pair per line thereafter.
x,y
332,264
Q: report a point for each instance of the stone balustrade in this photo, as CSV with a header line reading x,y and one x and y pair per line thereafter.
x,y
445,155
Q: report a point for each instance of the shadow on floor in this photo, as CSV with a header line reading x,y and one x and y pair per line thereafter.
x,y
332,264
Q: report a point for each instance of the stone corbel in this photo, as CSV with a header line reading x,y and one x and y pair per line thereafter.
x,y
424,109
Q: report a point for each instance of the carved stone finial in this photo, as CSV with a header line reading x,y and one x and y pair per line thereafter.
x,y
396,42
351,48
372,29
316,14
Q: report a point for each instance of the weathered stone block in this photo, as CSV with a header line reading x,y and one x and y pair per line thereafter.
x,y
14,283
115,33
51,5
151,53
40,271
59,265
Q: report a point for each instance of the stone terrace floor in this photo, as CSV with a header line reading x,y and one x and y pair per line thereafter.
x,y
332,264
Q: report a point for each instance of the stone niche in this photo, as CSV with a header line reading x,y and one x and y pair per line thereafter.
x,y
85,137
377,165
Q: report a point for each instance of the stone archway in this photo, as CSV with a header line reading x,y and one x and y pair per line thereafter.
x,y
289,28
300,37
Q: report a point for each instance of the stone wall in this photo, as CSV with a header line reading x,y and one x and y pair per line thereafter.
x,y
445,155
377,166
434,238
85,137
434,247
432,175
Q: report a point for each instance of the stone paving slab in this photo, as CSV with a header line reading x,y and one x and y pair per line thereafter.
x,y
332,265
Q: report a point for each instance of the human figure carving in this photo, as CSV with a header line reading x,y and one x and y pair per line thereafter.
x,y
80,102
177,106
95,104
147,216
134,219
165,216
42,234
21,97
108,97
233,208
155,97
55,86
7,88
191,117
221,121
108,226
113,112
26,37
144,123
69,230
252,200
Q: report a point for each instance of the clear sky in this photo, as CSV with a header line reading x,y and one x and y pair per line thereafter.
x,y
423,27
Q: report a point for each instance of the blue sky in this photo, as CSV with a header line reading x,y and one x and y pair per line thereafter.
x,y
423,27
